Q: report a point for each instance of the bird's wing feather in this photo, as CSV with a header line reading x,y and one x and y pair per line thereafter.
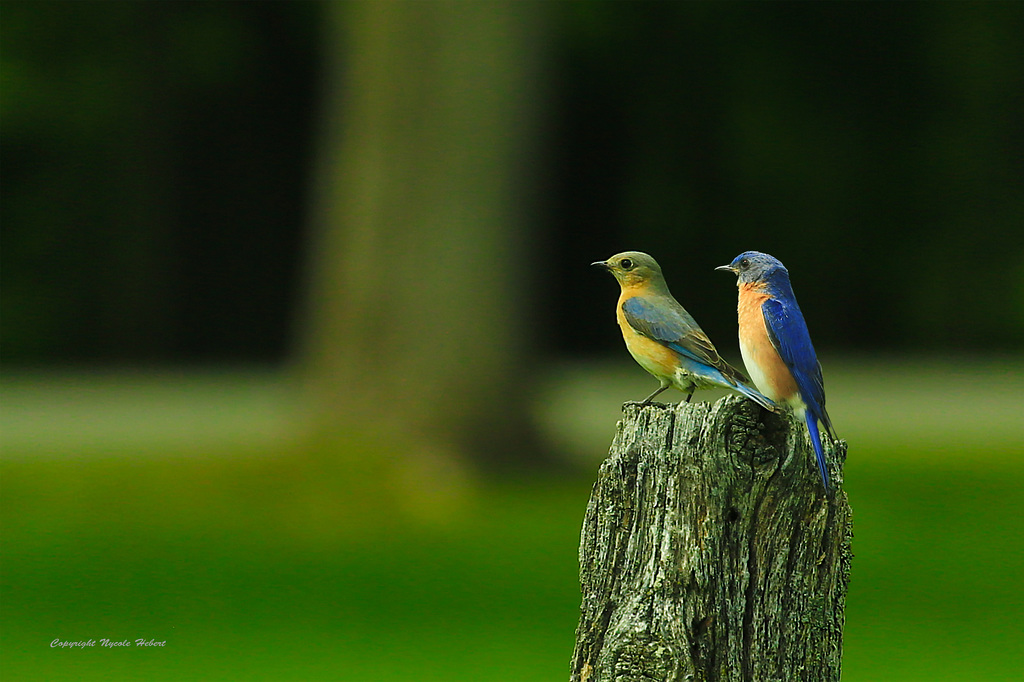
x,y
788,334
668,323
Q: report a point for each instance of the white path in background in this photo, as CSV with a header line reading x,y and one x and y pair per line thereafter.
x,y
930,408
924,407
93,414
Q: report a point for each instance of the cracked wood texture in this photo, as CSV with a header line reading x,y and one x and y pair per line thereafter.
x,y
710,551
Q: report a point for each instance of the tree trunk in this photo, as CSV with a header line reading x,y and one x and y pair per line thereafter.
x,y
421,213
710,551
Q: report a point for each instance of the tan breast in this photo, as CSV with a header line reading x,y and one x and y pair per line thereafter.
x,y
649,354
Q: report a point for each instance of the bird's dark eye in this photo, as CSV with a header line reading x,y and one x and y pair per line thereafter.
x,y
625,264
744,264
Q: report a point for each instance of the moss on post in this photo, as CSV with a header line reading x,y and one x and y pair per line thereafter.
x,y
710,551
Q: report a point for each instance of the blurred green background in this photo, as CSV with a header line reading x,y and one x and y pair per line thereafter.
x,y
304,372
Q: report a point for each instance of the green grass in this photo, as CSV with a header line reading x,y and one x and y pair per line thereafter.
x,y
936,590
255,562
489,595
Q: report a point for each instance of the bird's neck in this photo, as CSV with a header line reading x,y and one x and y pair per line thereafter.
x,y
752,295
645,292
759,288
646,287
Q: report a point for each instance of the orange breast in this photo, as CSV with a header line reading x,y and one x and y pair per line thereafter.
x,y
765,366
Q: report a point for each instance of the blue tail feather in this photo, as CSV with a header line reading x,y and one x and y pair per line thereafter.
x,y
716,377
819,453
755,396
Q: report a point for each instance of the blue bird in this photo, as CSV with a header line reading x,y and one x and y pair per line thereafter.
x,y
776,346
663,338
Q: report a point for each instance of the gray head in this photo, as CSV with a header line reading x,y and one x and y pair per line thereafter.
x,y
633,268
754,266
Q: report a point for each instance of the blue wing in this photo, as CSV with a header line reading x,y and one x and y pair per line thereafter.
x,y
788,333
668,323
665,321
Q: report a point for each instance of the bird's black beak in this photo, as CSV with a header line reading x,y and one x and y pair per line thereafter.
x,y
728,268
603,264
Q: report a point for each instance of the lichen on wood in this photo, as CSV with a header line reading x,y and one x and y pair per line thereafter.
x,y
710,550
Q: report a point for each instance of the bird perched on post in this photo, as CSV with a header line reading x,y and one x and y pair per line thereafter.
x,y
663,338
776,346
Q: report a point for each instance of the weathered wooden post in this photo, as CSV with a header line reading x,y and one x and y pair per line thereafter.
x,y
710,552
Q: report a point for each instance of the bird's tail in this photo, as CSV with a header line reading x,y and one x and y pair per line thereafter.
x,y
755,396
819,453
